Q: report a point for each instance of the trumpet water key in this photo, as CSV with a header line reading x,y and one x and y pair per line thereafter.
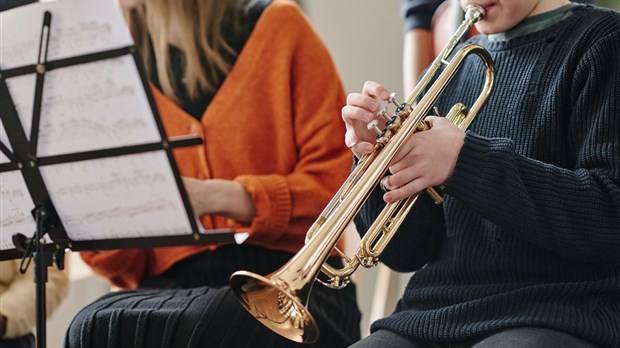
x,y
279,300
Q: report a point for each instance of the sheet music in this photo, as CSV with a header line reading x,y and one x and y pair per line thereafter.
x,y
15,207
87,107
117,197
78,27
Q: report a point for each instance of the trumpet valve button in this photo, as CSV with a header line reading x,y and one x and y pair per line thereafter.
x,y
386,114
392,99
374,125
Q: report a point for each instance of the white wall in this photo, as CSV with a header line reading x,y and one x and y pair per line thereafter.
x,y
364,37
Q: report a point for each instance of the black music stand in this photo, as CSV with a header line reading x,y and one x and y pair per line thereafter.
x,y
50,239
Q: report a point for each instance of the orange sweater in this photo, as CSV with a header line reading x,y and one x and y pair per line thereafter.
x,y
274,126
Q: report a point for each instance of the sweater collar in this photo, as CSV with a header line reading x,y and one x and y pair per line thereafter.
x,y
536,23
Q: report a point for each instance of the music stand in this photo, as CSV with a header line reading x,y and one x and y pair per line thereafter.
x,y
27,170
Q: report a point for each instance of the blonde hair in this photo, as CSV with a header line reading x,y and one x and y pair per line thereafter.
x,y
202,43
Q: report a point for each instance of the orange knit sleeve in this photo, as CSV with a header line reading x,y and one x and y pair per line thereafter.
x,y
290,203
123,268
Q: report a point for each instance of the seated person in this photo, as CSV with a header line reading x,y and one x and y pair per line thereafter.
x,y
523,252
18,301
256,82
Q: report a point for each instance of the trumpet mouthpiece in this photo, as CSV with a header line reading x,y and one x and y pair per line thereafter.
x,y
474,12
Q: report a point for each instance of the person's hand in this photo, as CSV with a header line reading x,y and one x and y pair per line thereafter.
x,y
362,108
427,159
220,197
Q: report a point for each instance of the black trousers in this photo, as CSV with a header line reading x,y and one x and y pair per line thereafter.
x,y
523,337
174,311
19,342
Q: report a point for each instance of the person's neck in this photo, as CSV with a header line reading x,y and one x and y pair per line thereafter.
x,y
546,6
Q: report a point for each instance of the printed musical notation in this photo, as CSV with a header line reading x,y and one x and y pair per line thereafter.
x,y
117,197
15,207
92,106
77,27
70,39
88,107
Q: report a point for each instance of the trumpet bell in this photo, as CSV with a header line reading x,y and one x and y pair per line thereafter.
x,y
274,306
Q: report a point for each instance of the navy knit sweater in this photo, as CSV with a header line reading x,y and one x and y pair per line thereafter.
x,y
529,234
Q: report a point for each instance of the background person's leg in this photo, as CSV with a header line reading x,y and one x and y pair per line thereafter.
x,y
388,339
531,337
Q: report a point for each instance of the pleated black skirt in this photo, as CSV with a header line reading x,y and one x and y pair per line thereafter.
x,y
192,305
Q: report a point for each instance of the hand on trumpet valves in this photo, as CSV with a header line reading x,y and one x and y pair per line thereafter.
x,y
427,159
362,109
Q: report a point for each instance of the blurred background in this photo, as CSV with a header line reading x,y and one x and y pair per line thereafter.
x,y
614,4
365,39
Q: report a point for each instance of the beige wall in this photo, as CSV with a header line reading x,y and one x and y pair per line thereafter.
x,y
365,38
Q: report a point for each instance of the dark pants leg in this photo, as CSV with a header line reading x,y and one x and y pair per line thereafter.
x,y
528,337
19,342
192,318
531,337
192,305
388,339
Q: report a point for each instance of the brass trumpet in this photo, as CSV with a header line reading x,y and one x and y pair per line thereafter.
x,y
279,299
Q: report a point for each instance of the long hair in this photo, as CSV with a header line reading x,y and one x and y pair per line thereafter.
x,y
203,44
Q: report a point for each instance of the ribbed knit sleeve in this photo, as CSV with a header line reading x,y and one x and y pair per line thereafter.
x,y
574,211
532,210
287,202
123,268
419,239
418,13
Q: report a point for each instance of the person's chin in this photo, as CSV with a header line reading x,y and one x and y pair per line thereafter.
x,y
488,28
483,28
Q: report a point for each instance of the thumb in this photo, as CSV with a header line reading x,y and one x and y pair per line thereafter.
x,y
431,120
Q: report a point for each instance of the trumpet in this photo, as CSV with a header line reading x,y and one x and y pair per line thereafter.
x,y
279,300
